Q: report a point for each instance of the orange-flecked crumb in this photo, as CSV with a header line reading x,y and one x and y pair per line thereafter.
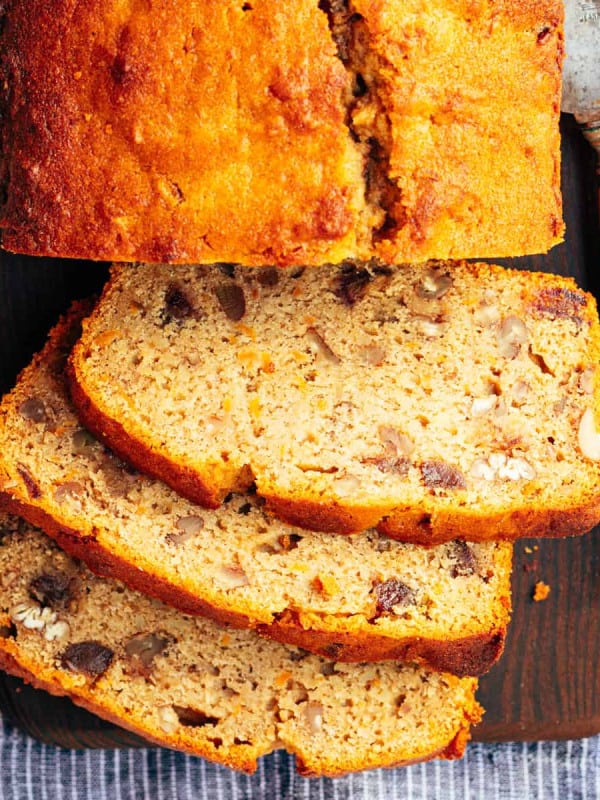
x,y
301,358
255,359
541,591
296,566
59,430
283,677
299,382
247,330
326,585
267,363
107,337
254,407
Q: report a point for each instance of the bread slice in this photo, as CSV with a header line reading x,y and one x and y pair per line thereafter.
x,y
266,134
229,696
354,598
432,402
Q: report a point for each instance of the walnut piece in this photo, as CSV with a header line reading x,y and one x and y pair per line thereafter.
x,y
323,349
68,489
188,527
45,620
483,405
84,444
434,285
32,616
390,464
486,315
33,490
440,475
558,302
146,646
167,719
314,716
588,437
499,466
232,576
395,441
511,336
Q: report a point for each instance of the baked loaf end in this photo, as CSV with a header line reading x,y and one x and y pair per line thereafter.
x,y
253,133
226,695
460,114
178,132
435,403
355,598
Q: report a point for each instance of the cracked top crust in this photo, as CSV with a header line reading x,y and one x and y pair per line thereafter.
x,y
213,131
470,93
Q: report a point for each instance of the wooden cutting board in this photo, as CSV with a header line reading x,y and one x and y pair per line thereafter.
x,y
547,685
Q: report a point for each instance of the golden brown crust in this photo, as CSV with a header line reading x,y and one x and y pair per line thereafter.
x,y
470,655
144,138
473,655
151,140
435,527
432,118
455,750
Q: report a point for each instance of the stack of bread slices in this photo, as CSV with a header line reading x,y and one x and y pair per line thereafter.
x,y
281,492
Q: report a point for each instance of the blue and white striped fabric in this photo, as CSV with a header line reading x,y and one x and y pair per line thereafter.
x,y
544,771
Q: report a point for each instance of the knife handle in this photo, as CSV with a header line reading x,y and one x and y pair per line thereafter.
x,y
590,127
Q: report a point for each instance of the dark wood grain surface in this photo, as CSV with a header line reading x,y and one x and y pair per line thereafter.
x,y
547,685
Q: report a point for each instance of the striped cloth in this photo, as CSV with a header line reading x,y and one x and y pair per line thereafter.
x,y
543,771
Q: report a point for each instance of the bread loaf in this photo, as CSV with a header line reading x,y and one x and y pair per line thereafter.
x,y
354,598
433,403
228,696
258,133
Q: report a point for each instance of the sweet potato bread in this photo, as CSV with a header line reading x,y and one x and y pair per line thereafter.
x,y
229,696
263,133
353,598
432,402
